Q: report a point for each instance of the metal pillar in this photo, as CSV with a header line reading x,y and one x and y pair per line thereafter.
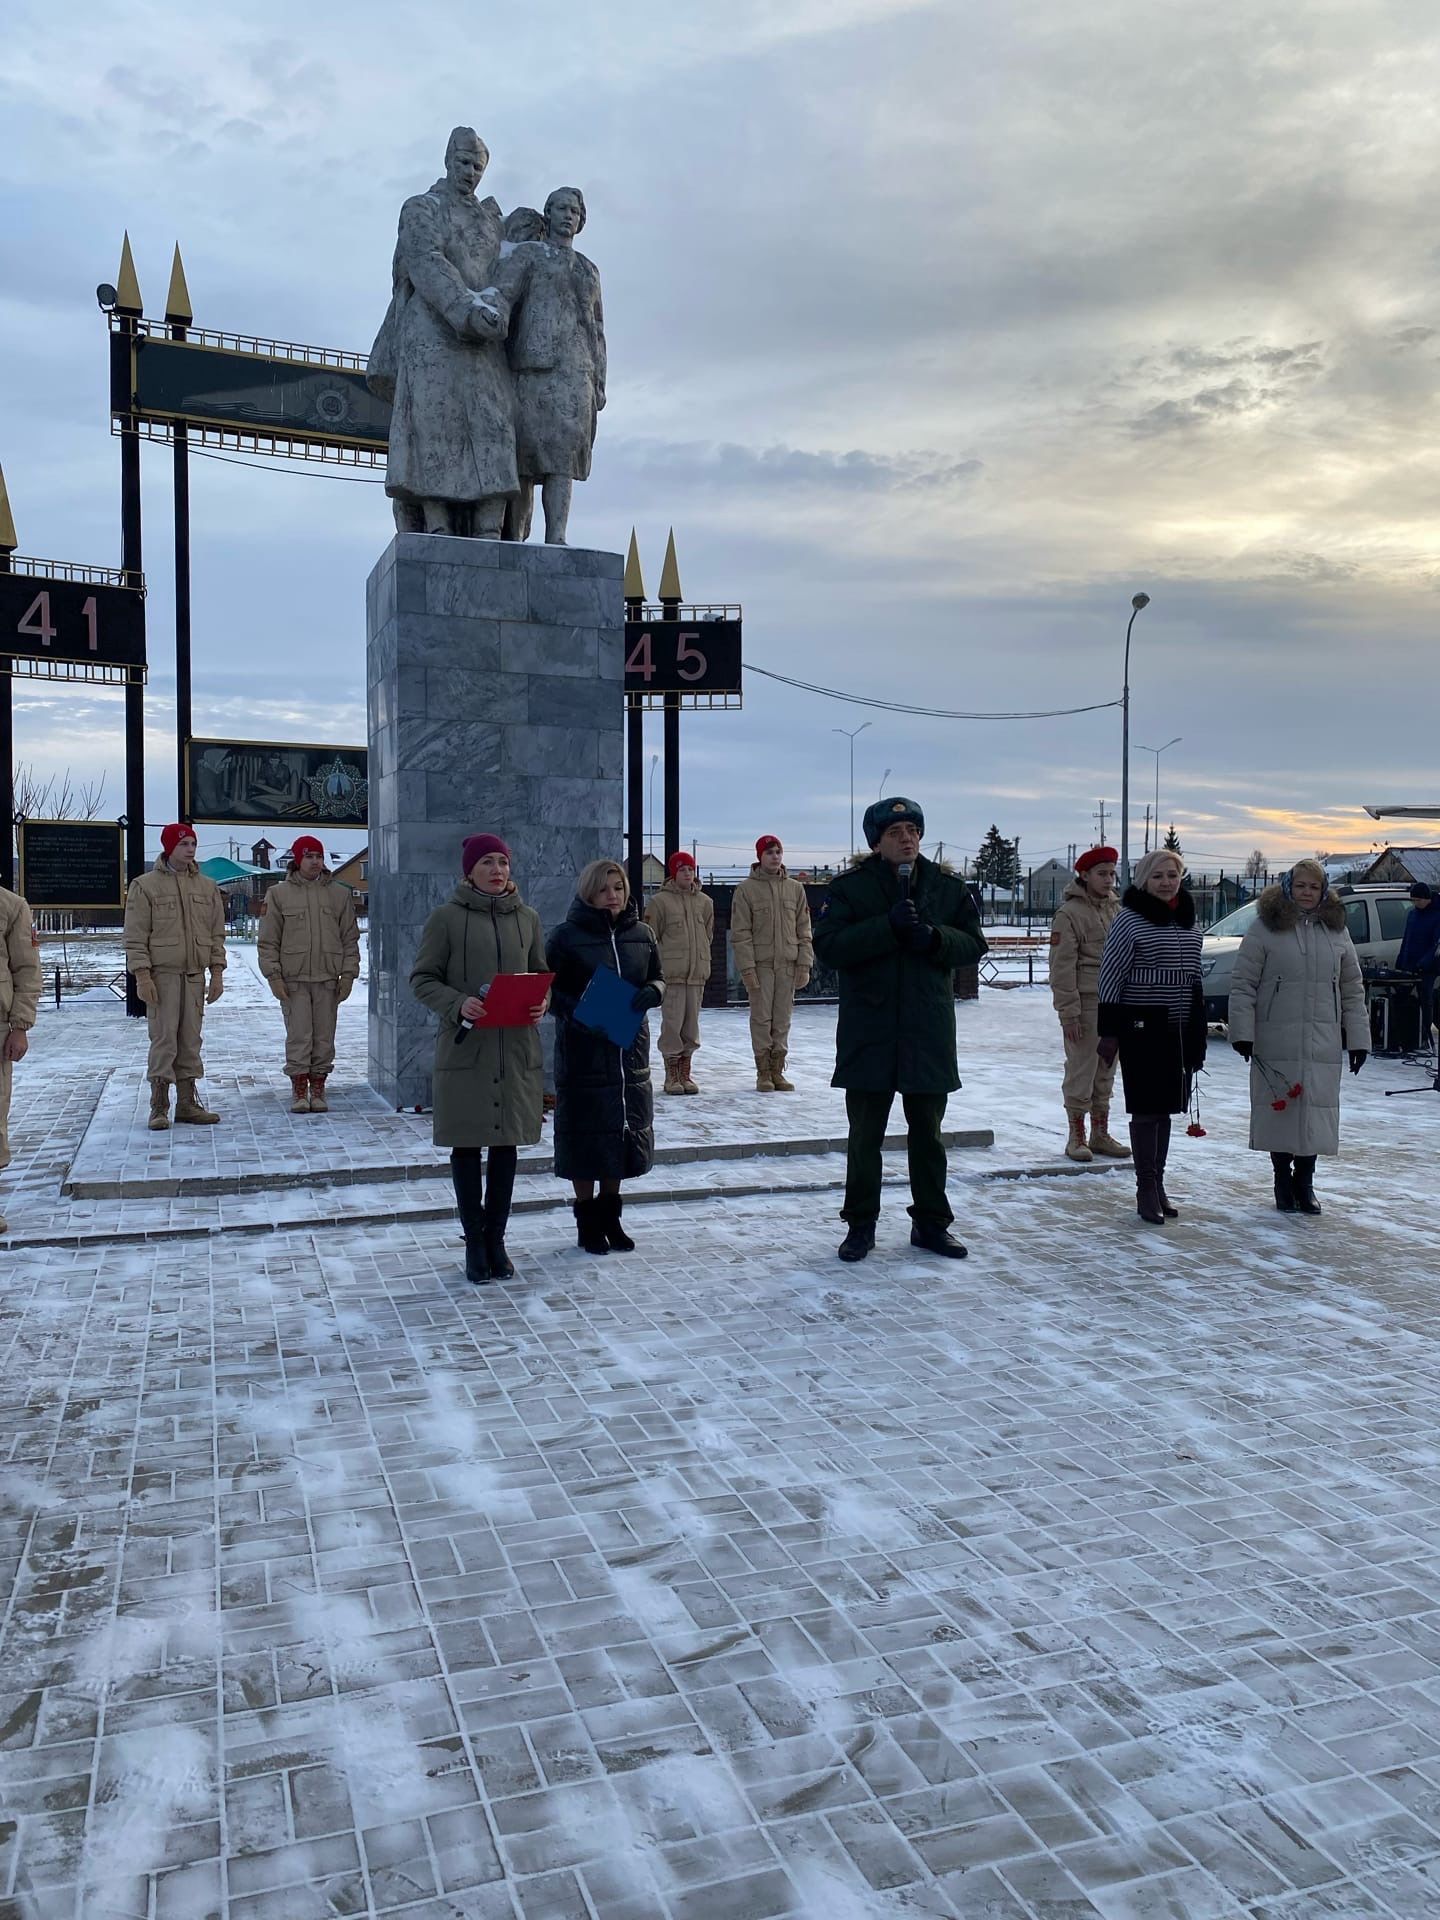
x,y
670,610
182,605
7,765
132,561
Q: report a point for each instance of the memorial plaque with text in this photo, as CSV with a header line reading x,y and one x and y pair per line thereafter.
x,y
72,863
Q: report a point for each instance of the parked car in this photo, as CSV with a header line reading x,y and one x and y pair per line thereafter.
x,y
1375,916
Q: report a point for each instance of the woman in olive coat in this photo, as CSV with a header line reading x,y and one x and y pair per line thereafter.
x,y
604,1107
488,1082
1297,1002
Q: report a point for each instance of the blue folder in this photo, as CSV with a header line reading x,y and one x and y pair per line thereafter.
x,y
605,1007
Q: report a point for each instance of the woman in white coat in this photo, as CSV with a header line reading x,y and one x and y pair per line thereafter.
x,y
1297,1003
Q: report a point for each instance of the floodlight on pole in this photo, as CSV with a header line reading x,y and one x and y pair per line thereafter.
x,y
1138,604
851,738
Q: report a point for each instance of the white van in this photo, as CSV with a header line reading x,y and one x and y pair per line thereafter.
x,y
1375,916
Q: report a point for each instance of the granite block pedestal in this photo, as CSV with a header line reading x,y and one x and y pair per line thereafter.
x,y
496,705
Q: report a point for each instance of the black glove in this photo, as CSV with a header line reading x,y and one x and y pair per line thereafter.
x,y
647,997
919,938
1358,1057
1244,1048
903,917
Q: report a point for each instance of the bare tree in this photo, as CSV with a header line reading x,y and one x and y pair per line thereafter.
x,y
1257,866
55,798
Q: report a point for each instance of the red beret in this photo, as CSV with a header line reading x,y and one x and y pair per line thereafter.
x,y
1096,857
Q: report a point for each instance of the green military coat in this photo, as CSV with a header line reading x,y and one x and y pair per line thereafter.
x,y
489,1084
896,1030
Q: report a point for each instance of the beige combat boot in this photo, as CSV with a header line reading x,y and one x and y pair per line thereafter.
x,y
159,1106
686,1082
188,1110
777,1072
1101,1139
673,1081
764,1080
318,1102
300,1088
1075,1147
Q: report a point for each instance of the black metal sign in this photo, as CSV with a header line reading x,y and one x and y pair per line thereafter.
x,y
697,654
72,863
50,613
281,398
275,783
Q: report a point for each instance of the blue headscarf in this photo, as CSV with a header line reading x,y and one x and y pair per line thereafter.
x,y
1287,888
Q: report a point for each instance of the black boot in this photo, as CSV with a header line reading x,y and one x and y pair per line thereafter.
x,y
611,1206
859,1240
590,1227
1284,1183
1305,1201
1162,1154
467,1171
499,1189
1147,1180
935,1237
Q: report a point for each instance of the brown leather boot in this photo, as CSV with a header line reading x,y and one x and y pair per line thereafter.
x,y
1102,1141
188,1110
300,1087
318,1102
764,1081
777,1072
1075,1147
674,1083
686,1082
159,1106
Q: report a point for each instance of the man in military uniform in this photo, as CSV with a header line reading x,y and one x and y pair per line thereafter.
x,y
174,930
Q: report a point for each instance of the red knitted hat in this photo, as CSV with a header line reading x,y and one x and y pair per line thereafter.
x,y
1096,857
768,840
171,836
307,843
476,848
679,859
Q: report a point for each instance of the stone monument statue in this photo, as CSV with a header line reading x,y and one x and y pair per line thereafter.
x,y
440,358
556,349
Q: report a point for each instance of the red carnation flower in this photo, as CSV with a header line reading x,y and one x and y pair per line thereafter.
x,y
1296,1091
1195,1130
1278,1105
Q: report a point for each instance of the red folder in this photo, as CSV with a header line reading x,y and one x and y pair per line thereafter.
x,y
511,997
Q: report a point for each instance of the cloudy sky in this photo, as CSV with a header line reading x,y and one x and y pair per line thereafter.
x,y
936,330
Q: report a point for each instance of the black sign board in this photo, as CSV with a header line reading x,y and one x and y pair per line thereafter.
x,y
55,617
275,783
254,393
72,863
682,656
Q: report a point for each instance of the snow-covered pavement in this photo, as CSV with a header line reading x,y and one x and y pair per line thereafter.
x,y
1096,1575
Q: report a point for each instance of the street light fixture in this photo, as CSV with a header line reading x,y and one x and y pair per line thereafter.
x,y
1138,604
650,829
1157,751
851,738
883,778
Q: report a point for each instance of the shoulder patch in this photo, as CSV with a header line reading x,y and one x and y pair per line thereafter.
x,y
1055,936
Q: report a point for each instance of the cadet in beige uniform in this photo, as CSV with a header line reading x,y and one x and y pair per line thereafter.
x,y
770,930
682,918
1077,940
19,1001
174,930
309,951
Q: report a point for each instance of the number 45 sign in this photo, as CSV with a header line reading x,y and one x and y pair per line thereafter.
x,y
81,615
689,655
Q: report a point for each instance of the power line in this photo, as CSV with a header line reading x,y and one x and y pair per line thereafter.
x,y
927,713
311,471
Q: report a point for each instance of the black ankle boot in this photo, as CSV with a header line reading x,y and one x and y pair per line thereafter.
x,y
467,1172
1284,1183
1305,1201
590,1227
612,1206
499,1190
935,1237
1147,1179
859,1240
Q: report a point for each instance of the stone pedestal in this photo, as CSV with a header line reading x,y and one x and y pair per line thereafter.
x,y
496,701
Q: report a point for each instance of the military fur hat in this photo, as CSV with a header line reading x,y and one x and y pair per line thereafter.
x,y
881,814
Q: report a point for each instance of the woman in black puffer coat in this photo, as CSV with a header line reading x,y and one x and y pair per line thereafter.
x,y
604,1109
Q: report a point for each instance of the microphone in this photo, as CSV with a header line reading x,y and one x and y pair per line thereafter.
x,y
905,869
464,1026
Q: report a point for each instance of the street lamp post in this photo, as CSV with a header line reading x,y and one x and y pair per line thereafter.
x,y
1157,751
851,738
1137,604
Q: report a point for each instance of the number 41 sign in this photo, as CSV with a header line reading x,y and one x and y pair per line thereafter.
x,y
682,656
80,615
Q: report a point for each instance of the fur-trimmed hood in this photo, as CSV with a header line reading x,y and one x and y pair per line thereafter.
x,y
1182,914
1280,914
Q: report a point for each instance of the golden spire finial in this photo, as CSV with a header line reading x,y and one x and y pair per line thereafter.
x,y
9,539
670,572
634,578
178,309
127,283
